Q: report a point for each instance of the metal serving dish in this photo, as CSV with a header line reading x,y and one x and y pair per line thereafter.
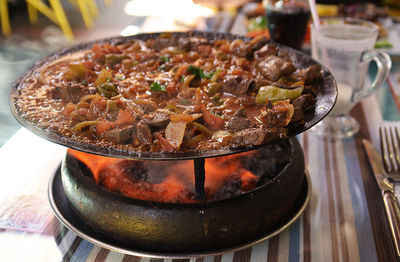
x,y
324,102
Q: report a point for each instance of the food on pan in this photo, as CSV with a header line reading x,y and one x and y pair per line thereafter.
x,y
171,94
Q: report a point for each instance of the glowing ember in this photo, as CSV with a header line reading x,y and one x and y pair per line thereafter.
x,y
169,181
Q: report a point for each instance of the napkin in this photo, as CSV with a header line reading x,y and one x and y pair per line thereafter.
x,y
27,162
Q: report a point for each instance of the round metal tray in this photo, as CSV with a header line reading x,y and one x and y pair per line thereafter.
x,y
68,218
325,101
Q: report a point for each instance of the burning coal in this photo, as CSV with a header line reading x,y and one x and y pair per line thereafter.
x,y
173,181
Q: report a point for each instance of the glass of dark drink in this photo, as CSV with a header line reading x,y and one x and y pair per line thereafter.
x,y
287,21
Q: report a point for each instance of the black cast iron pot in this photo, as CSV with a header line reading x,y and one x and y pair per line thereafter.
x,y
183,228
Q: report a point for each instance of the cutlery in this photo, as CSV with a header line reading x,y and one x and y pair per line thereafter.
x,y
387,190
389,137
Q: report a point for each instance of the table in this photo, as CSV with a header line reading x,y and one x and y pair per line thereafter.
x,y
344,221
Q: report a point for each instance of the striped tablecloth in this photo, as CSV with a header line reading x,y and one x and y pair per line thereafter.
x,y
344,220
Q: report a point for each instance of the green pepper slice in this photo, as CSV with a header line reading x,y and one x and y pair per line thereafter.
x,y
273,93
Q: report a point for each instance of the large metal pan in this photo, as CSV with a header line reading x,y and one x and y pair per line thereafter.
x,y
325,101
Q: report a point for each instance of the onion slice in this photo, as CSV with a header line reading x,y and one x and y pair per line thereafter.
x,y
174,133
184,117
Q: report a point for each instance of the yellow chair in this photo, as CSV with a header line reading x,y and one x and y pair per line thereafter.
x,y
88,9
55,13
5,20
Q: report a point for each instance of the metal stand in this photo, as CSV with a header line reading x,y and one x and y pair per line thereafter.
x,y
199,176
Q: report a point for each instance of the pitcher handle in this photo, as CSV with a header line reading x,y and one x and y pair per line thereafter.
x,y
384,64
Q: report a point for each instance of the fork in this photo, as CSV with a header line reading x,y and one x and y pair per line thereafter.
x,y
390,144
389,135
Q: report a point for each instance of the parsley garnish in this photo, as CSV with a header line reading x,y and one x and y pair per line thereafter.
x,y
157,87
198,72
164,59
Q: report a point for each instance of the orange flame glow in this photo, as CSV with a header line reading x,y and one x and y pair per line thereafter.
x,y
166,181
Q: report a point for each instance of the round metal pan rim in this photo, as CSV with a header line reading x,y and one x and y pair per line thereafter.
x,y
60,216
325,103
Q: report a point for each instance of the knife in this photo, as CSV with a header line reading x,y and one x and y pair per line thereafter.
x,y
386,186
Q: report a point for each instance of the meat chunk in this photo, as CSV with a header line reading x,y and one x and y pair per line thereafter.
x,y
161,43
120,135
248,137
236,84
309,74
274,133
157,119
134,109
147,106
69,93
311,89
143,133
261,81
279,114
258,42
257,136
284,54
196,41
302,104
274,68
205,50
265,51
184,44
306,102
241,48
238,121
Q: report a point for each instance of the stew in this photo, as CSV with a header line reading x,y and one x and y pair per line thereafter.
x,y
172,94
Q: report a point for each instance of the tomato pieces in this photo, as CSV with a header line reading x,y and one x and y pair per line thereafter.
x,y
124,117
163,142
214,122
103,126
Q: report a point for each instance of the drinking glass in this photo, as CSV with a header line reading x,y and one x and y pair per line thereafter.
x,y
346,47
287,21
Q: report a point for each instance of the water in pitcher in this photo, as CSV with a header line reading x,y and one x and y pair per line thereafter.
x,y
344,102
346,47
332,47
